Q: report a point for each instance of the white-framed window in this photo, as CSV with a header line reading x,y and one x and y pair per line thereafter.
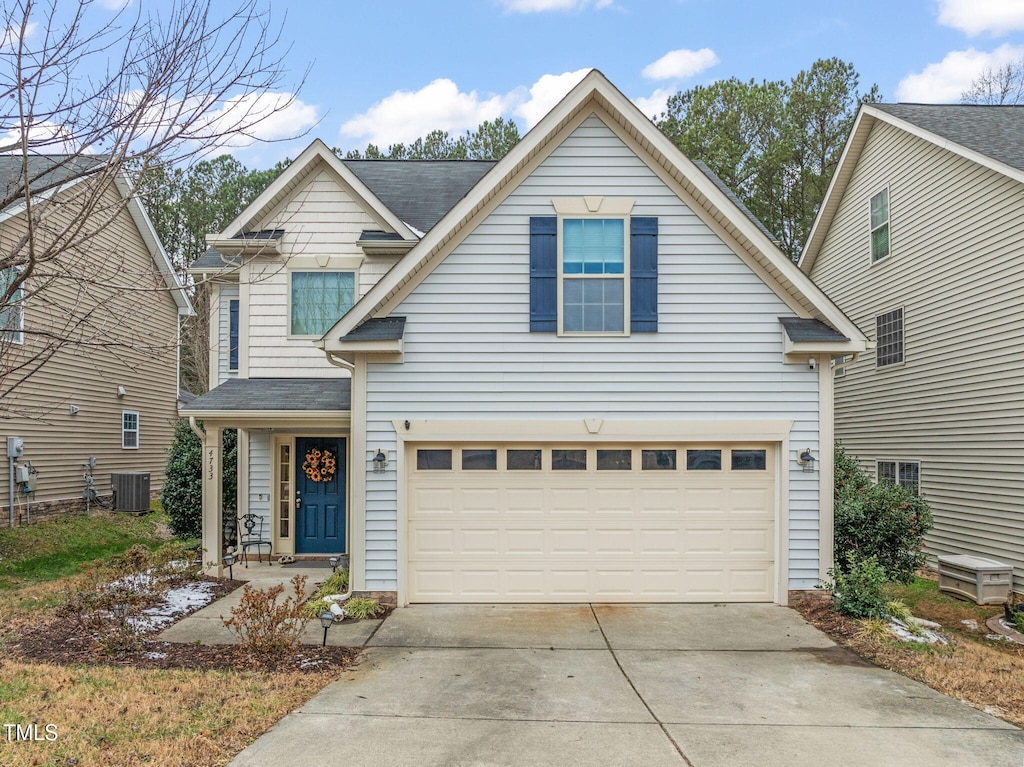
x,y
593,275
318,299
903,473
233,324
12,310
889,338
839,365
880,225
129,430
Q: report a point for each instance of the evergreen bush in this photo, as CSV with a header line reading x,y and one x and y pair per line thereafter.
x,y
182,497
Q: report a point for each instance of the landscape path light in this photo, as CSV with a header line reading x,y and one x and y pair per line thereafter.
x,y
326,620
229,561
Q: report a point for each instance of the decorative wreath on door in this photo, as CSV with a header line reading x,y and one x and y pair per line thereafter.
x,y
320,465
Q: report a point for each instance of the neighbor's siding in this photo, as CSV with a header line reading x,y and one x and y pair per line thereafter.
x,y
58,443
957,269
322,223
468,352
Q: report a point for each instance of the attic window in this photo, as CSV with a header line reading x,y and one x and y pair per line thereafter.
x,y
880,225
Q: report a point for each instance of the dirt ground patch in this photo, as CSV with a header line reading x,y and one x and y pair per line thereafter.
x,y
972,668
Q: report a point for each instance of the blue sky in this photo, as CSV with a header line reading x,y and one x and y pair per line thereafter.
x,y
391,70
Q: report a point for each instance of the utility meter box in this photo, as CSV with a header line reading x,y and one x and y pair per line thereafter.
x,y
15,447
983,581
22,475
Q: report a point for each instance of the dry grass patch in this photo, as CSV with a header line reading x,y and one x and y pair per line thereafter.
x,y
122,716
974,669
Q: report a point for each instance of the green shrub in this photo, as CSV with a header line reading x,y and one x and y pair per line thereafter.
x,y
857,587
182,497
361,608
884,521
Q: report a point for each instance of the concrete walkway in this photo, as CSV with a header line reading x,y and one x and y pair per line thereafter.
x,y
207,627
618,686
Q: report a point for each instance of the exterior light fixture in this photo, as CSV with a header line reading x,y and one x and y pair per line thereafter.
x,y
806,460
334,564
326,620
380,462
229,561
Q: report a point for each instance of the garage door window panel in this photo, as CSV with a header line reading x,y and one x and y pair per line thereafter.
x,y
749,460
614,460
568,460
658,460
523,460
479,460
703,460
434,460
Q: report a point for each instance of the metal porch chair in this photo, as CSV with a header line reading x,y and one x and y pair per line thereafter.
x,y
253,532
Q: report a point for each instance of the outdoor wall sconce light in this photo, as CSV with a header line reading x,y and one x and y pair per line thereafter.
x,y
806,460
380,462
326,620
229,561
334,564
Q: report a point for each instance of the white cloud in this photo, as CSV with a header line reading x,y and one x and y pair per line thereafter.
x,y
543,6
12,34
655,104
545,93
45,138
976,16
680,64
406,115
945,82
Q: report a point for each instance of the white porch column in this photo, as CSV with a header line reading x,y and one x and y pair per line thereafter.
x,y
213,517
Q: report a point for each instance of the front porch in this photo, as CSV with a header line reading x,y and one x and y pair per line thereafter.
x,y
294,460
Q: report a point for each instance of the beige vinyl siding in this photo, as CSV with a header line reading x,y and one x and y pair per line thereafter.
x,y
58,443
957,403
321,224
468,352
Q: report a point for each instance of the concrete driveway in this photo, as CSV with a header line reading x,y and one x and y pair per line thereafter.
x,y
664,685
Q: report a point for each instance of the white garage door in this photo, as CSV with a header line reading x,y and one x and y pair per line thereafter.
x,y
572,523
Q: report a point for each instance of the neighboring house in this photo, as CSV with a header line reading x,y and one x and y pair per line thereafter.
x,y
920,241
588,374
90,339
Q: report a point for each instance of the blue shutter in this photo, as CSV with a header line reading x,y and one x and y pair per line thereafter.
x,y
233,334
543,274
643,275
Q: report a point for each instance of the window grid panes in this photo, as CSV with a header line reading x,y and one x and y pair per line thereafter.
x,y
886,472
284,489
593,269
910,475
889,338
880,225
233,334
319,299
129,430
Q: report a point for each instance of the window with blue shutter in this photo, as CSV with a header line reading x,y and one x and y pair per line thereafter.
x,y
233,334
593,274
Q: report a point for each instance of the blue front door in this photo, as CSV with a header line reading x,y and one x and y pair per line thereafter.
x,y
320,495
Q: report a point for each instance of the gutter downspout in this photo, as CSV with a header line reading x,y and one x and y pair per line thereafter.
x,y
338,362
196,428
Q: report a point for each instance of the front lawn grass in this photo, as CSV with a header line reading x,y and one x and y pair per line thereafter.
x,y
45,551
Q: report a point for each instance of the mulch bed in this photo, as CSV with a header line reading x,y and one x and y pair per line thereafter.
x,y
816,609
62,641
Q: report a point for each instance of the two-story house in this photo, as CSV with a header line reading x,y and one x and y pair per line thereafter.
x,y
580,373
88,336
920,241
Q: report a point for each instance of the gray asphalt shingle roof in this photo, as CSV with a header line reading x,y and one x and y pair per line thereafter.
x,y
803,330
213,259
44,171
420,192
295,394
378,329
995,131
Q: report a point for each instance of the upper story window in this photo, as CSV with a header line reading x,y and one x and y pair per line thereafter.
x,y
889,338
880,225
233,334
129,430
318,300
593,269
12,311
593,275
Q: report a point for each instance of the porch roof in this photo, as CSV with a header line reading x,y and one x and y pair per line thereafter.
x,y
283,395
